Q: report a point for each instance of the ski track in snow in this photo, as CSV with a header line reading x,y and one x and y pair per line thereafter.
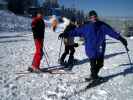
x,y
17,49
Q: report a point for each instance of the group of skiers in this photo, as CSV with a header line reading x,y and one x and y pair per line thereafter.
x,y
94,33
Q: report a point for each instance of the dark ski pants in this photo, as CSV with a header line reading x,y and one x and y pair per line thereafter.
x,y
96,65
68,49
38,53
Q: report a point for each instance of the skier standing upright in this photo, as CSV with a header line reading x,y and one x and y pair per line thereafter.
x,y
94,33
38,29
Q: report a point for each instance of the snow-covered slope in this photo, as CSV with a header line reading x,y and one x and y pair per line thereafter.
x,y
10,22
16,53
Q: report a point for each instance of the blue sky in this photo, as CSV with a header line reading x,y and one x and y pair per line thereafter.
x,y
103,7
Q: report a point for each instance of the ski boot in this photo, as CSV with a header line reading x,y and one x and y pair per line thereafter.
x,y
63,63
30,69
94,78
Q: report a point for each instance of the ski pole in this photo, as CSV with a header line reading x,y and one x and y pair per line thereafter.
x,y
46,60
46,56
129,58
46,52
127,70
60,50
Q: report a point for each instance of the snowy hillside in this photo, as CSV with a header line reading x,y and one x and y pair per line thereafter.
x,y
17,49
10,22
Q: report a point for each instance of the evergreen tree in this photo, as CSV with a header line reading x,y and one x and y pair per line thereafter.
x,y
19,6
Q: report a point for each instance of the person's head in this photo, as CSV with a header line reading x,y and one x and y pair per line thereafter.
x,y
93,16
54,22
40,13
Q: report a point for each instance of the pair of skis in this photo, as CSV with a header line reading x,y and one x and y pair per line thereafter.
x,y
59,69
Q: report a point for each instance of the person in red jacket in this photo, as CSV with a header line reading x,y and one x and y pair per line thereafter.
x,y
38,29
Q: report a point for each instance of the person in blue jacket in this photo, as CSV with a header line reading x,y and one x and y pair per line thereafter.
x,y
94,33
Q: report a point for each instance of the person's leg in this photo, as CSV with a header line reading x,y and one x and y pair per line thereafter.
x,y
64,54
42,52
93,68
96,65
100,63
38,54
93,74
71,56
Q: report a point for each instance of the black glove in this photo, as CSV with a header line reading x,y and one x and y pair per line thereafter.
x,y
124,41
63,35
76,44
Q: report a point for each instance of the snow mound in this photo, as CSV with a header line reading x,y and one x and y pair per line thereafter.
x,y
12,22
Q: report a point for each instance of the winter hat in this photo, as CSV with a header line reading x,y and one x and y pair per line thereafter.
x,y
92,13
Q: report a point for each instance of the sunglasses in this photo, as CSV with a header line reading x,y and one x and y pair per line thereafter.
x,y
93,17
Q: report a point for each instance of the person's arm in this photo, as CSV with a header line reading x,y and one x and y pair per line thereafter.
x,y
112,33
80,31
33,26
68,28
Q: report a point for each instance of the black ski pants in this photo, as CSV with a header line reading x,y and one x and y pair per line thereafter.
x,y
96,65
68,49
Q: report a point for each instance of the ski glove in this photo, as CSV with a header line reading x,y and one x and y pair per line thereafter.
x,y
62,35
124,41
76,44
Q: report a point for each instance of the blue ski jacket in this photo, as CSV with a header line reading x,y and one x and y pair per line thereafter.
x,y
94,34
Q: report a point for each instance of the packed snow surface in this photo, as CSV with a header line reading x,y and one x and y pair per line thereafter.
x,y
16,54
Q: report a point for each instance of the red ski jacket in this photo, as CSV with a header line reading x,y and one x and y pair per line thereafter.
x,y
38,27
